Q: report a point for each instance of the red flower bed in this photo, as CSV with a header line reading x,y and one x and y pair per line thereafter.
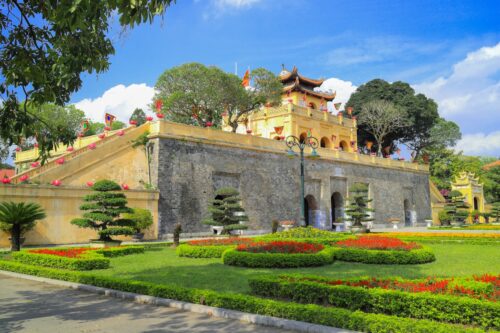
x,y
220,241
378,243
431,285
75,252
280,247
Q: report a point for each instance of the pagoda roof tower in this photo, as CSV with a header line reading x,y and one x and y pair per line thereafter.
x,y
293,81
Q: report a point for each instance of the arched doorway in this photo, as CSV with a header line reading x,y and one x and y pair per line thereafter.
x,y
310,207
303,137
343,146
476,203
325,142
407,209
337,207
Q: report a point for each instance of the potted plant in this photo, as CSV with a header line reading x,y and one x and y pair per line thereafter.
x,y
103,209
457,209
226,212
428,221
18,218
143,219
444,218
357,210
287,225
474,215
486,217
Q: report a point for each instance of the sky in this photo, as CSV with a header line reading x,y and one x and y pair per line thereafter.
x,y
448,50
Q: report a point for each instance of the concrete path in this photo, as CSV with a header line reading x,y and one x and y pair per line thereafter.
x,y
29,306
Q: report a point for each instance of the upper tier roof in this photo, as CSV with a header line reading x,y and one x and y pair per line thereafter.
x,y
293,81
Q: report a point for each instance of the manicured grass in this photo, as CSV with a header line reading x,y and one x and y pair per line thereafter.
x,y
164,266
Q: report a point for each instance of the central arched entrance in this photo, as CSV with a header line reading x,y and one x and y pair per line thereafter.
x,y
310,207
337,208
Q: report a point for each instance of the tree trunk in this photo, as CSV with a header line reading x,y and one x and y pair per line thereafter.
x,y
15,238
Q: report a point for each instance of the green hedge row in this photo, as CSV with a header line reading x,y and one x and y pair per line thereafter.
x,y
121,251
192,251
418,256
446,308
277,260
316,314
89,262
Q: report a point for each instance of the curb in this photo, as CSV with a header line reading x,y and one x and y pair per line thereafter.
x,y
197,308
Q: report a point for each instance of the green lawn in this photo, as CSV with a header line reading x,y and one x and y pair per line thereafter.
x,y
165,267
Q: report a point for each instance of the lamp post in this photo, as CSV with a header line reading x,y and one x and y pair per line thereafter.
x,y
293,141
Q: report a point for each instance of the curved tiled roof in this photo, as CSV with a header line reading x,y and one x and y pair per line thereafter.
x,y
297,86
294,74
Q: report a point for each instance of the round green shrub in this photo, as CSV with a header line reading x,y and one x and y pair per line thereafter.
x,y
192,251
277,260
417,256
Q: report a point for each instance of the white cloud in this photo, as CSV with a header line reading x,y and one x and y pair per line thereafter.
x,y
235,3
480,144
343,88
119,100
470,96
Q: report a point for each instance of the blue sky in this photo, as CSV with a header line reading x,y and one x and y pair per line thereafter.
x,y
449,50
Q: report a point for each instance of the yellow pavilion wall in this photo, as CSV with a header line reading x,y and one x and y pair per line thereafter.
x,y
61,205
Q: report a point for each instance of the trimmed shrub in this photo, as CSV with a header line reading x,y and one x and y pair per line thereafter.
x,y
192,251
88,262
311,313
447,308
277,260
418,256
121,251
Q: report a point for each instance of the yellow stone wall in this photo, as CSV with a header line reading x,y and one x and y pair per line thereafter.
x,y
61,205
467,184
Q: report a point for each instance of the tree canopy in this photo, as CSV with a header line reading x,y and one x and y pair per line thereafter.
x,y
196,94
45,46
139,116
425,128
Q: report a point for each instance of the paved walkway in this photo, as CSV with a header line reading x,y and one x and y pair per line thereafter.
x,y
28,306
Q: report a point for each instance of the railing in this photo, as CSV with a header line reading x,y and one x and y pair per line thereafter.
x,y
82,148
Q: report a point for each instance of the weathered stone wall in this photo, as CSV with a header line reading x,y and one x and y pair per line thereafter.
x,y
187,174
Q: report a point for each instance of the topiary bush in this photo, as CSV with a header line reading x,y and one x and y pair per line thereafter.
x,y
103,209
393,257
225,209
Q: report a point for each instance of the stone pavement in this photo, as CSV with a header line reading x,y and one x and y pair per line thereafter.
x,y
29,306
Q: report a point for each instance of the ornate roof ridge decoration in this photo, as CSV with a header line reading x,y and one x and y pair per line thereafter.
x,y
286,76
465,178
297,86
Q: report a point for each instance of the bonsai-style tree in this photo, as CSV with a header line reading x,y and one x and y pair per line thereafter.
x,y
103,209
456,208
18,218
226,211
357,210
142,219
444,218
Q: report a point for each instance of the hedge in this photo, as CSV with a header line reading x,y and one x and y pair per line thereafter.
x,y
89,262
311,313
97,259
447,308
277,260
194,251
418,256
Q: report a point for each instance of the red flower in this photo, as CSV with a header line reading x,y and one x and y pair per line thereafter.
x,y
280,247
378,243
68,253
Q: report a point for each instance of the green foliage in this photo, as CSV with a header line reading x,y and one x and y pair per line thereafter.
x,y
418,256
425,128
357,209
277,260
191,251
195,94
112,252
274,226
306,234
311,313
445,308
142,218
87,262
456,208
44,50
139,116
177,233
18,218
103,209
495,211
224,210
142,140
444,217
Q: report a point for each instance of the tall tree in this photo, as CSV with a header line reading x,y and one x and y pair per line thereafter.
x,y
421,112
380,118
196,94
44,48
139,116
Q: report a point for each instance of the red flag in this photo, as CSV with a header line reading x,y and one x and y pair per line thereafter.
x,y
246,79
108,119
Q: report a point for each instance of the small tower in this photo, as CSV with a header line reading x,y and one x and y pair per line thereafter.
x,y
467,184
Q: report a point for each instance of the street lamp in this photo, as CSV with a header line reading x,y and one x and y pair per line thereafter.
x,y
310,141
